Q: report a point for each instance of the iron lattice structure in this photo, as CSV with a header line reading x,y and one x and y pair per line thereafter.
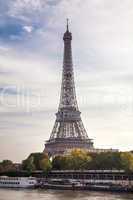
x,y
68,131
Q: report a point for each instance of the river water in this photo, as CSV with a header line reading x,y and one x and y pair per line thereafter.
x,y
12,194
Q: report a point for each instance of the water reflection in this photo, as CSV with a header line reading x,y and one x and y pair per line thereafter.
x,y
11,194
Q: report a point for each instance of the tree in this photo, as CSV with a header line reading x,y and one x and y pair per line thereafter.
x,y
76,160
60,162
79,159
6,165
45,165
1,168
37,161
106,160
127,161
57,163
28,164
37,157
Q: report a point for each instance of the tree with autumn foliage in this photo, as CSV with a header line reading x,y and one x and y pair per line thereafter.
x,y
45,164
127,161
78,159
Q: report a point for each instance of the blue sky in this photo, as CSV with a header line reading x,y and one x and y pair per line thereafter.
x,y
31,50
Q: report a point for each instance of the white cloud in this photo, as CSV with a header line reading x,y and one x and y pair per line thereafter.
x,y
29,29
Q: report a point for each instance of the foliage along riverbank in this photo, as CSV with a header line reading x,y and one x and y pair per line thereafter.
x,y
77,160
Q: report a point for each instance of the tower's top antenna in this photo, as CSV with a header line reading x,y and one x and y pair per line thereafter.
x,y
67,24
67,34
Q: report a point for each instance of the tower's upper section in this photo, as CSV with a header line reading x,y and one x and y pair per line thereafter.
x,y
68,94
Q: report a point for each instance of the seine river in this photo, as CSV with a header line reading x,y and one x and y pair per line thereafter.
x,y
9,194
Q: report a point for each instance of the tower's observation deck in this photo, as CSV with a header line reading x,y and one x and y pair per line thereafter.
x,y
68,131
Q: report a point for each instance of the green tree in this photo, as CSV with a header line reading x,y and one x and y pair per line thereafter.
x,y
6,165
37,161
60,162
107,160
127,161
57,163
1,168
79,159
45,165
37,157
28,164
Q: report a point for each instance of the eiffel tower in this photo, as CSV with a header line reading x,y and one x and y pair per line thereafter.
x,y
68,131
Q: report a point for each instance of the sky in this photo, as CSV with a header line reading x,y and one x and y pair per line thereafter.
x,y
31,54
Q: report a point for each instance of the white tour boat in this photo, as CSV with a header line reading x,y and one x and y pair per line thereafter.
x,y
17,182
